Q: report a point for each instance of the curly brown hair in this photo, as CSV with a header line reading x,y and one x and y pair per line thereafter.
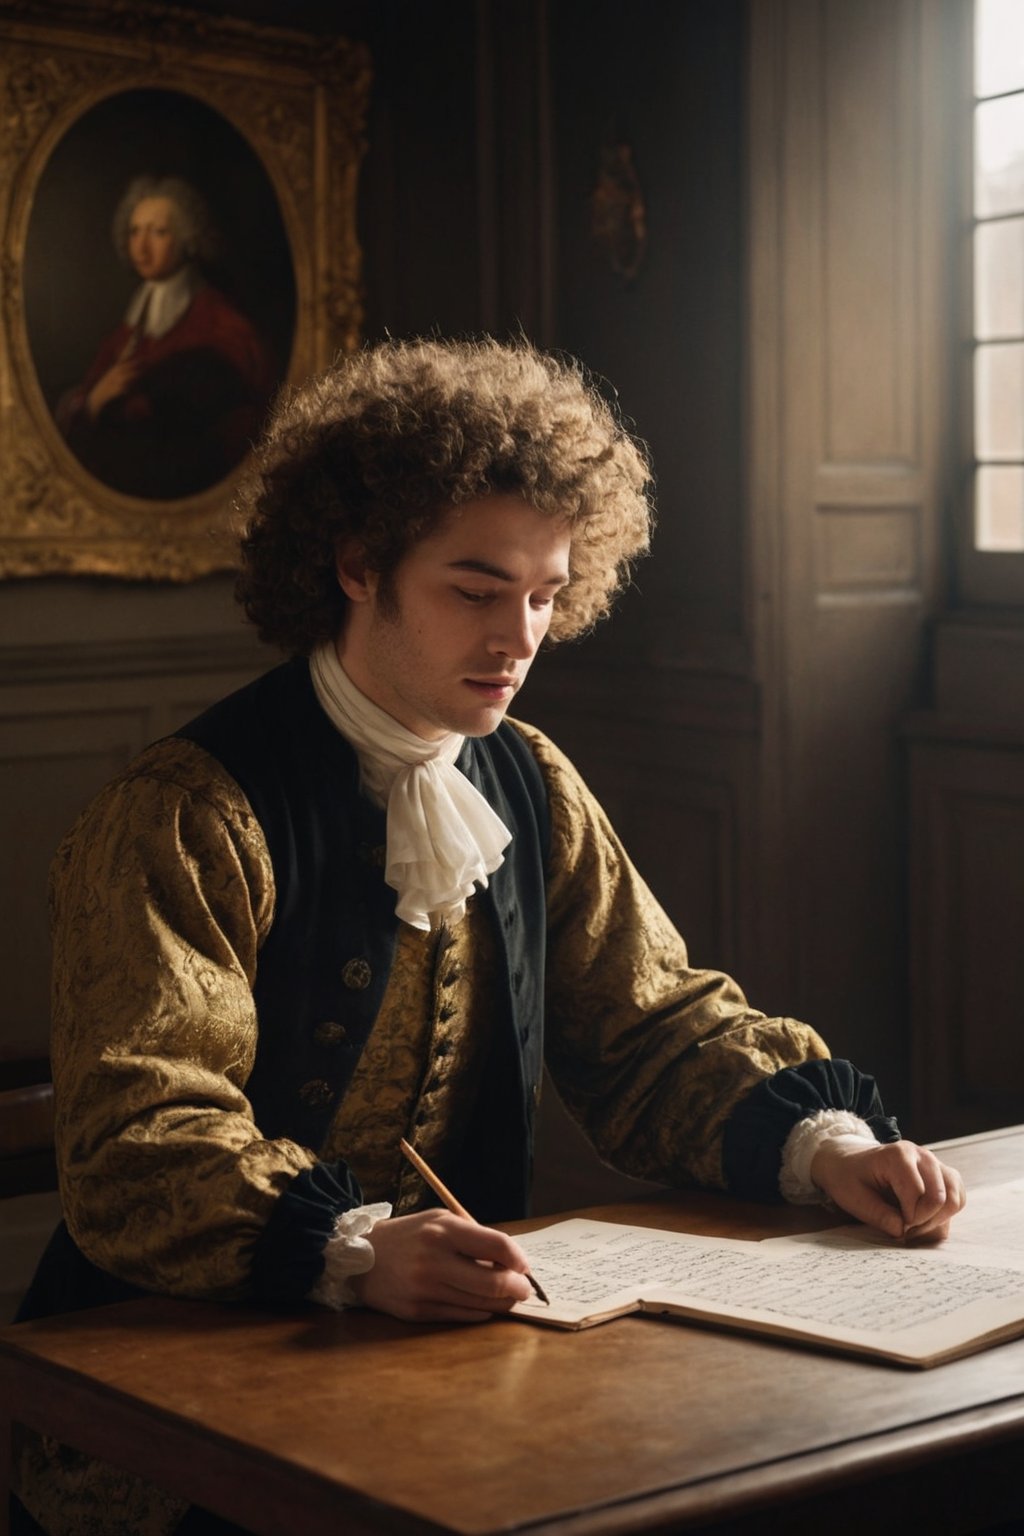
x,y
386,442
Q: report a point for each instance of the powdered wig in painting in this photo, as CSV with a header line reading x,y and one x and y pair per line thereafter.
x,y
193,227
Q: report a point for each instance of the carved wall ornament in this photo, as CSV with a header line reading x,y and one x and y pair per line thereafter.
x,y
124,424
618,212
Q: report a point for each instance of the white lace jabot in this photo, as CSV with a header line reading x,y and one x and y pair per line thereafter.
x,y
443,838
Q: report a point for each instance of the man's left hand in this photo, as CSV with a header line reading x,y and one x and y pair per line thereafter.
x,y
900,1188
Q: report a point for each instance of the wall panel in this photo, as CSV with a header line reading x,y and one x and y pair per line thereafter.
x,y
968,853
60,742
680,795
868,156
847,286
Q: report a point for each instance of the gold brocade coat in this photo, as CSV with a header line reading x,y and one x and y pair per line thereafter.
x,y
162,896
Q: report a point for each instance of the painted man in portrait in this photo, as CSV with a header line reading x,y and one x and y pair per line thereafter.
x,y
178,391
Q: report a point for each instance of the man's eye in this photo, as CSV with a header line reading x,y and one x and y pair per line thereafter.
x,y
473,597
541,602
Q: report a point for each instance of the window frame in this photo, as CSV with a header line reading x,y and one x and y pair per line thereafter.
x,y
986,578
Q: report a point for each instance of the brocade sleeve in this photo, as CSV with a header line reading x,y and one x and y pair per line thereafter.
x,y
650,1056
160,898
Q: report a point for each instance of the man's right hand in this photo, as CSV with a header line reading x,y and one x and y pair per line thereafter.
x,y
117,381
438,1267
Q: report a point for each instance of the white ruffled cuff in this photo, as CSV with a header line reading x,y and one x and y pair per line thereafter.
x,y
346,1254
803,1141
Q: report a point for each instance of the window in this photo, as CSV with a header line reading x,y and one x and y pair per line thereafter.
x,y
995,564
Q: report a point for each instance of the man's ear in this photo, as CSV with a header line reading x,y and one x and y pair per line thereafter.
x,y
354,578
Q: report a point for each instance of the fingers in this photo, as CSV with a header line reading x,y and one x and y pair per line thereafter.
x,y
485,1244
438,1267
116,381
900,1188
927,1192
934,1234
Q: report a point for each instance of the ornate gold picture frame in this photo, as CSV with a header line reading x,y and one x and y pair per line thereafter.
x,y
268,126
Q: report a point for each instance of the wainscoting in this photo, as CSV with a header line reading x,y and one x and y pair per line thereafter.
x,y
70,719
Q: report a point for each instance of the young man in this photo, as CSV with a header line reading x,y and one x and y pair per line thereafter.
x,y
354,902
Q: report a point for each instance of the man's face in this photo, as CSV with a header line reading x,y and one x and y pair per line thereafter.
x,y
449,642
152,240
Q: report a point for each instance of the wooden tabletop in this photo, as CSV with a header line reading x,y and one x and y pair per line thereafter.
x,y
310,1422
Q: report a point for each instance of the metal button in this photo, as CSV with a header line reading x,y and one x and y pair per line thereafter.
x,y
356,974
316,1093
330,1033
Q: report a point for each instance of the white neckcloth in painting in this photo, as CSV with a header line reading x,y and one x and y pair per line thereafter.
x,y
156,306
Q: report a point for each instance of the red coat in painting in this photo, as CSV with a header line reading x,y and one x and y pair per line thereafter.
x,y
195,405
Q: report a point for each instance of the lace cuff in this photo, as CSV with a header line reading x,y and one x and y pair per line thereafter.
x,y
758,1127
347,1253
803,1141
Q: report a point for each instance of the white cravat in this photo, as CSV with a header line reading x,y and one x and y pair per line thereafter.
x,y
160,304
443,838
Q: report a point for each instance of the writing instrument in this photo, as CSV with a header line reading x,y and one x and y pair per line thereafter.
x,y
445,1195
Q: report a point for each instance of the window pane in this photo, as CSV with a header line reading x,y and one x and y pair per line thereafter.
x,y
999,156
999,507
999,402
998,46
999,279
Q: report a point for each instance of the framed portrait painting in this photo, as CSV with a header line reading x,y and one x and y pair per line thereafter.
x,y
177,204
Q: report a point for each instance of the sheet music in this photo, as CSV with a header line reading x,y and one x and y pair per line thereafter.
x,y
592,1263
989,1230
899,1300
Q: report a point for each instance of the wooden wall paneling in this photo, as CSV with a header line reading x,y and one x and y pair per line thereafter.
x,y
515,170
968,853
680,830
53,757
666,82
847,312
770,942
680,799
419,224
60,742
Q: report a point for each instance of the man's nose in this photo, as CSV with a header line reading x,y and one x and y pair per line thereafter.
x,y
515,637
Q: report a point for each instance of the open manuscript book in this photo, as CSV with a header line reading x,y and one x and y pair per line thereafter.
x,y
844,1289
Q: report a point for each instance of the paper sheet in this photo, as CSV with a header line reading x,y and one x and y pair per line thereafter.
x,y
908,1302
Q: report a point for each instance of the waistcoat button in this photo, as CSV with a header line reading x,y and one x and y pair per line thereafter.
x,y
316,1093
330,1033
356,974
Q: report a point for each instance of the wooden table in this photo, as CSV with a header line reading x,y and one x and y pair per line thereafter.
x,y
310,1423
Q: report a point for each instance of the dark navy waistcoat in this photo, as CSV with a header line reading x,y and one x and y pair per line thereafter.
x,y
323,969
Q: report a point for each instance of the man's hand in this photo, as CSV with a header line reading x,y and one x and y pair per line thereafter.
x,y
436,1267
900,1188
117,381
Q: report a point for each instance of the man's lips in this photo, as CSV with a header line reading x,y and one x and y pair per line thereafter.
x,y
492,687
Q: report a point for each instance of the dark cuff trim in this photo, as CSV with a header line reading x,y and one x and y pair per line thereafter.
x,y
289,1255
757,1129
